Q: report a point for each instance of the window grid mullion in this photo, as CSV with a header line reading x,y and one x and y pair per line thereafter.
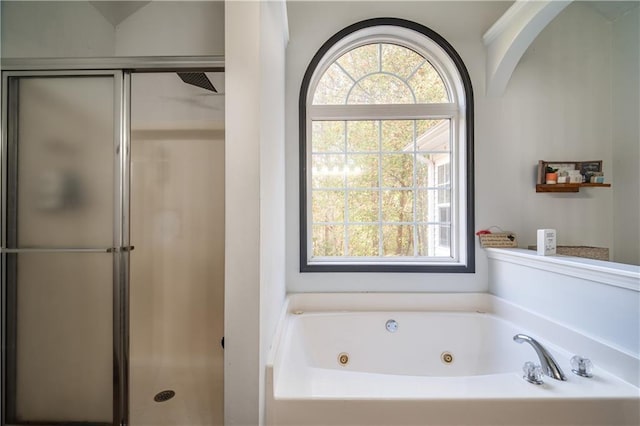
x,y
383,152
380,233
416,70
346,191
383,112
415,191
383,222
345,72
384,188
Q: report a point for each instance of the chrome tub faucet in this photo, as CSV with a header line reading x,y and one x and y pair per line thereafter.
x,y
549,365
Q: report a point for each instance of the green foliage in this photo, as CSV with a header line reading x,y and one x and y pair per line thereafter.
x,y
397,206
328,240
328,206
428,86
397,170
400,61
363,206
328,136
397,135
397,240
361,61
363,240
362,136
333,87
365,171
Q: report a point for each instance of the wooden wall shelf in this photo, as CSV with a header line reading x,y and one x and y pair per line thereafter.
x,y
568,187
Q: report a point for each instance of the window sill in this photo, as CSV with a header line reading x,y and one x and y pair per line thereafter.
x,y
453,268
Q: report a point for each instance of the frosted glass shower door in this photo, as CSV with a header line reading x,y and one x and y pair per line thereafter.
x,y
62,240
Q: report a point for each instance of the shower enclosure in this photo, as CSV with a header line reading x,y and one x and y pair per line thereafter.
x,y
112,247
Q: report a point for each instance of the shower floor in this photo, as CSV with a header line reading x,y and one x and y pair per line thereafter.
x,y
196,388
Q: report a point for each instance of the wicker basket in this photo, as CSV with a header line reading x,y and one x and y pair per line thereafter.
x,y
598,253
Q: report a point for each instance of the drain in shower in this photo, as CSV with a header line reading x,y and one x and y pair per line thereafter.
x,y
164,395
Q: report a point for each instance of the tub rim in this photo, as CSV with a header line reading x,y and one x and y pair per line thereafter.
x,y
615,360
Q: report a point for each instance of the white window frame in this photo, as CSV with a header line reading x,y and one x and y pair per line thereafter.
x,y
459,111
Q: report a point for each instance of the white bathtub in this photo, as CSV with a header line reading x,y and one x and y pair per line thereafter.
x,y
400,378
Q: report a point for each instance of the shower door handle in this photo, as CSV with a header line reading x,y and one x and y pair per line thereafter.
x,y
65,250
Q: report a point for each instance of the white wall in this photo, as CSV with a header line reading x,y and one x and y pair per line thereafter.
x,y
242,212
54,29
626,138
273,41
586,302
311,24
254,59
75,29
172,28
557,106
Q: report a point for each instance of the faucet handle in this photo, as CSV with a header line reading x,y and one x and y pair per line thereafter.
x,y
532,373
581,366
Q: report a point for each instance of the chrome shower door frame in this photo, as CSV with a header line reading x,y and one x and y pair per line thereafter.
x,y
119,250
121,68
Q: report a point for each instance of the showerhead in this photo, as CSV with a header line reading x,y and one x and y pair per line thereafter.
x,y
198,79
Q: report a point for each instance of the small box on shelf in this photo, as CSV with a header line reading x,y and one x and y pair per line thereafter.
x,y
546,239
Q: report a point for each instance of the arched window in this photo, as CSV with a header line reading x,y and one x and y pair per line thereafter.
x,y
386,153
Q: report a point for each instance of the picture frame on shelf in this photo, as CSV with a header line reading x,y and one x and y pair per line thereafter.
x,y
591,168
